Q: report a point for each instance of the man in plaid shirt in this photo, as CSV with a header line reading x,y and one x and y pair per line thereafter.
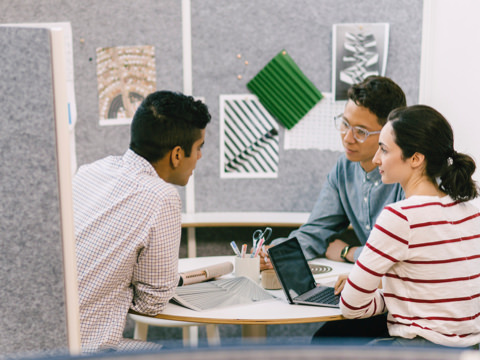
x,y
128,219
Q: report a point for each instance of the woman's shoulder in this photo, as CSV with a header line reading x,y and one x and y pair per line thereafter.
x,y
401,208
424,207
422,200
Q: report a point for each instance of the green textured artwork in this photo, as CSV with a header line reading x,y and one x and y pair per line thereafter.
x,y
284,90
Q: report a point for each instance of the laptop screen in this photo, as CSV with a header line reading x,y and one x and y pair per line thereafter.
x,y
292,267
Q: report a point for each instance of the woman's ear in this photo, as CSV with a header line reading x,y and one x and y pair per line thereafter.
x,y
176,156
417,160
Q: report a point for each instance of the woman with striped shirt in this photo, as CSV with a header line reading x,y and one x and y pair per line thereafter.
x,y
421,262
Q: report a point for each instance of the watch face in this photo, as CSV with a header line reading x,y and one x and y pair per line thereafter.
x,y
344,252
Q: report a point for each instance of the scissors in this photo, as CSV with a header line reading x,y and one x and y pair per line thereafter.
x,y
259,234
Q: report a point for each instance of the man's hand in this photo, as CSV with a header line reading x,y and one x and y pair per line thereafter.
x,y
340,284
335,248
265,262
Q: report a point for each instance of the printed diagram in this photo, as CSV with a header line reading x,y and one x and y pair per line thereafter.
x,y
359,51
126,75
361,58
248,138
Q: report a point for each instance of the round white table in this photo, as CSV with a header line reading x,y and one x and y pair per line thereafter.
x,y
255,316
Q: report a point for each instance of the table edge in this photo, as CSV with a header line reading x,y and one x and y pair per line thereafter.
x,y
250,321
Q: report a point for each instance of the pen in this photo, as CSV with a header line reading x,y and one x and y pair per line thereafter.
x,y
235,248
244,250
257,250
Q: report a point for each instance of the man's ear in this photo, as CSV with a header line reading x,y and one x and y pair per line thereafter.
x,y
176,156
417,159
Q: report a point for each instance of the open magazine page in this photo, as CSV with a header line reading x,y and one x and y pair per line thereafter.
x,y
220,293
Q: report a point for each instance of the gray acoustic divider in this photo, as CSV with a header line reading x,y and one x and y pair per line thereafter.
x,y
35,209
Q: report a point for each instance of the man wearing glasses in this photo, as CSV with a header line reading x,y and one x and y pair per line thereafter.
x,y
353,194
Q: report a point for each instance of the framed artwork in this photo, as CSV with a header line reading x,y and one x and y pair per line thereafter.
x,y
125,76
248,138
359,50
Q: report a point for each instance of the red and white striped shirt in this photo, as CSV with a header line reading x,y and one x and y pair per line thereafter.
x,y
427,250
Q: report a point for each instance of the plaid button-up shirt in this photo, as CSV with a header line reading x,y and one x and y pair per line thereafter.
x,y
128,229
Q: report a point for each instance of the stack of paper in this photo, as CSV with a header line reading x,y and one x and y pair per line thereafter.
x,y
220,293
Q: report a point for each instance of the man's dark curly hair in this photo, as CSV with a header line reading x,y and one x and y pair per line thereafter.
x,y
378,94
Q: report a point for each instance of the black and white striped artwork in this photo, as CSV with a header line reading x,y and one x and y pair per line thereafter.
x,y
248,138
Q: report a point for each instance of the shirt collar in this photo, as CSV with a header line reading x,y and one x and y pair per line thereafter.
x,y
132,158
373,175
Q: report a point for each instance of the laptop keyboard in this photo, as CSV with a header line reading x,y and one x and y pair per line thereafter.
x,y
325,297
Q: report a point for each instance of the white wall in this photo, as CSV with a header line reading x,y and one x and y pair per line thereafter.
x,y
450,71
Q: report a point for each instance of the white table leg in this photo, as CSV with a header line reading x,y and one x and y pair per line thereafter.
x,y
190,336
213,336
141,331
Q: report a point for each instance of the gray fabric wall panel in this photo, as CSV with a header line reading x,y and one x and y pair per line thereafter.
x,y
258,30
31,277
220,30
98,24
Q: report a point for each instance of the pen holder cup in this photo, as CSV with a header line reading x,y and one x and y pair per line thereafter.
x,y
270,280
248,267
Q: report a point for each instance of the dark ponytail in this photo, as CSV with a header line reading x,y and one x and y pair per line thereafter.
x,y
456,178
422,129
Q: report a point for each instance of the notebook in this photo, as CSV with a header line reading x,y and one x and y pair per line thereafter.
x,y
296,276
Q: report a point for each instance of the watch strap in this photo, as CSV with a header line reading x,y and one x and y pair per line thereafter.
x,y
344,252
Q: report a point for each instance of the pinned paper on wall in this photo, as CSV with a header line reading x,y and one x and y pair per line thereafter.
x,y
284,90
317,129
248,138
125,76
359,50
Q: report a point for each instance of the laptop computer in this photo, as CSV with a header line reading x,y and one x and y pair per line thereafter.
x,y
296,276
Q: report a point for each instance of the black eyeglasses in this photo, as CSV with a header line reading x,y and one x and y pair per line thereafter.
x,y
359,133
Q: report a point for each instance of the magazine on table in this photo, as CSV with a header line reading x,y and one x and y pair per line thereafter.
x,y
220,293
200,290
